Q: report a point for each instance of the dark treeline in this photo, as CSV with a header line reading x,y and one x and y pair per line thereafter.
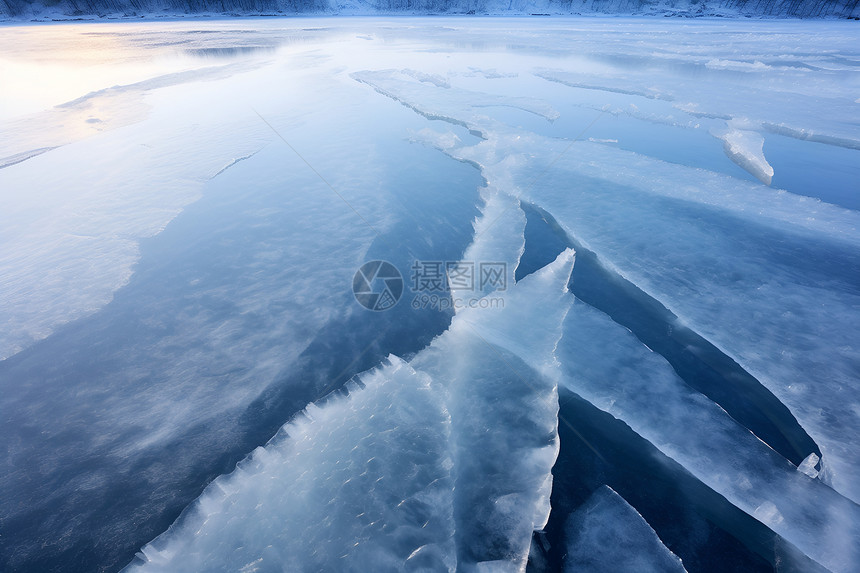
x,y
763,8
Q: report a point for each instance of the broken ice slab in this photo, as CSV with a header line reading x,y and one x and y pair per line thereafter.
x,y
605,364
745,148
607,535
766,276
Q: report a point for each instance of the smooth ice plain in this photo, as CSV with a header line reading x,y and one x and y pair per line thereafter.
x,y
665,376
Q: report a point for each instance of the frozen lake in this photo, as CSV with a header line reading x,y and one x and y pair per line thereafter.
x,y
614,326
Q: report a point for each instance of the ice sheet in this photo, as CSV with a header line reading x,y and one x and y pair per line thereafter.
x,y
227,325
71,227
225,317
773,88
716,252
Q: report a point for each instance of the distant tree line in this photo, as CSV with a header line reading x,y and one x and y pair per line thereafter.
x,y
774,8
132,7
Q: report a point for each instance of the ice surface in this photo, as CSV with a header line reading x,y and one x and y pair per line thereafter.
x,y
710,188
70,229
607,535
608,81
780,94
672,241
782,249
182,245
77,252
458,106
163,375
657,254
226,326
70,234
438,464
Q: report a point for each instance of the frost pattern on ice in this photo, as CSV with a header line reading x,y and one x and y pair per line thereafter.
x,y
363,483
